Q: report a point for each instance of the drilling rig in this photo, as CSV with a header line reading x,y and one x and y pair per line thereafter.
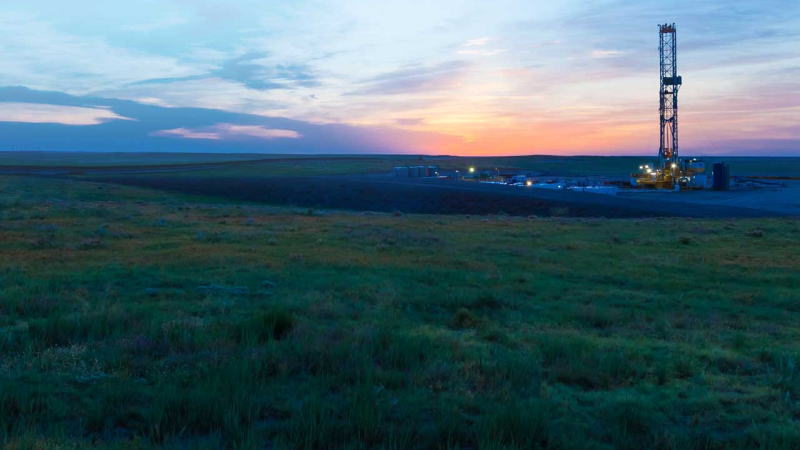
x,y
670,82
669,171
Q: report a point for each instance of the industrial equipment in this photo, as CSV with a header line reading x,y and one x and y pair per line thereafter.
x,y
416,171
669,171
721,178
670,82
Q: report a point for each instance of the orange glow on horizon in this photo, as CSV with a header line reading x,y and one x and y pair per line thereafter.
x,y
543,138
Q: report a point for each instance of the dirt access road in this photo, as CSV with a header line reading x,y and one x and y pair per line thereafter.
x,y
782,198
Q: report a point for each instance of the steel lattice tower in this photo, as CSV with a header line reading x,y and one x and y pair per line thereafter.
x,y
668,98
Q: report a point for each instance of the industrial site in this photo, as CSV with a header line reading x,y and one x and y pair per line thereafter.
x,y
451,225
667,171
664,185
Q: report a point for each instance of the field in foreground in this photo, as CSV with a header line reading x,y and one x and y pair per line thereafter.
x,y
134,318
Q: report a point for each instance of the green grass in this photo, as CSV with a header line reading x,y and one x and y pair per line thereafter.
x,y
294,165
606,166
304,165
132,318
89,159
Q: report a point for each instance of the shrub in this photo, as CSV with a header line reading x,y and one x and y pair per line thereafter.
x,y
270,325
202,236
487,300
90,244
44,242
464,318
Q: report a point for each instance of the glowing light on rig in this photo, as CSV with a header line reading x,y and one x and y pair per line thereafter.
x,y
529,183
471,170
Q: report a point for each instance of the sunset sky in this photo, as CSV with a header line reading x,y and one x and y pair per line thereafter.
x,y
352,76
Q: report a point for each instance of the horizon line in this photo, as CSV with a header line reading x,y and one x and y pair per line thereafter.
x,y
408,155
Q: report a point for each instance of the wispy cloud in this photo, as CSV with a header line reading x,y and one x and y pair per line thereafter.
x,y
254,71
60,114
157,128
479,47
481,51
410,121
477,42
229,131
187,133
158,24
414,79
601,54
37,54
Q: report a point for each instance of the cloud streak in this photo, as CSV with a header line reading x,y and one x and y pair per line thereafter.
x,y
253,71
229,131
157,128
414,79
57,114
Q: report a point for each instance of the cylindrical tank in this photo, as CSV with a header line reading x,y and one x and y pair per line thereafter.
x,y
721,177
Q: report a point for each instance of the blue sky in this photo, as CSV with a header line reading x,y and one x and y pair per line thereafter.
x,y
459,77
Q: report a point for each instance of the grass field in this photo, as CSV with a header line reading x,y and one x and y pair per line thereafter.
x,y
134,318
91,159
615,167
299,165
